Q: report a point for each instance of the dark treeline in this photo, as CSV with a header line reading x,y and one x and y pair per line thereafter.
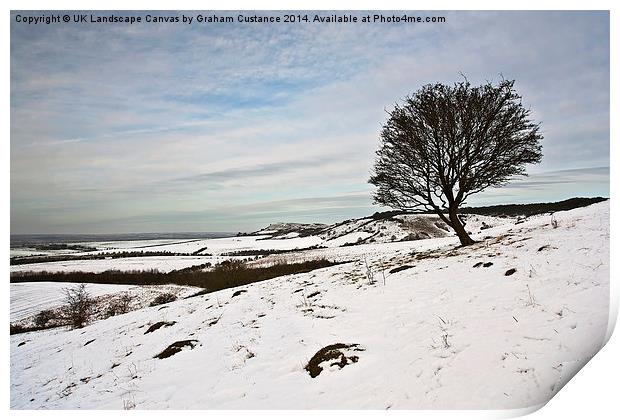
x,y
100,256
263,252
533,208
59,247
223,276
509,210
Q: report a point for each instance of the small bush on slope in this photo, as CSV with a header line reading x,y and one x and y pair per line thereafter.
x,y
163,298
43,317
119,305
78,305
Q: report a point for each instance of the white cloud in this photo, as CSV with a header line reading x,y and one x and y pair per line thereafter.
x,y
104,119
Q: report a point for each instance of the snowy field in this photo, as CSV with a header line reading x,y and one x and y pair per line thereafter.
x,y
500,324
163,264
108,246
28,299
25,252
214,246
386,232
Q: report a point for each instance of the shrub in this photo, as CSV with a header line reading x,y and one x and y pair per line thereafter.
x,y
43,317
19,328
225,275
163,298
370,275
78,305
554,221
119,305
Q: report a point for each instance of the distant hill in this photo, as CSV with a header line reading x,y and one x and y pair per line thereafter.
x,y
400,225
289,230
534,208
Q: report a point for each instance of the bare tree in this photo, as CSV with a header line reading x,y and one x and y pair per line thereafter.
x,y
445,143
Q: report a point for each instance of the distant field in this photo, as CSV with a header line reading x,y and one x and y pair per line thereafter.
x,y
28,299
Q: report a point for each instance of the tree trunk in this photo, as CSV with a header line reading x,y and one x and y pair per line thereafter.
x,y
459,228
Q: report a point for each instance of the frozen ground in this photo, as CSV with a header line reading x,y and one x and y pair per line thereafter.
x,y
439,327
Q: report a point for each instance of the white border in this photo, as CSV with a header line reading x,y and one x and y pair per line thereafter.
x,y
592,393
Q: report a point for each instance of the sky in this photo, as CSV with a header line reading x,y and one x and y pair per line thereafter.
x,y
171,127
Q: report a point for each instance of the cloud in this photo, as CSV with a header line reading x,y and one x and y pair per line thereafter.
x,y
549,186
259,170
246,217
115,122
567,176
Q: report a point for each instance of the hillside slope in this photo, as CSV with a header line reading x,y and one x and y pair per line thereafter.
x,y
378,228
501,324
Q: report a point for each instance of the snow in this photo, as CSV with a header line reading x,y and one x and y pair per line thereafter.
x,y
220,246
28,299
164,264
441,334
348,238
288,235
244,243
397,228
214,250
28,252
362,231
146,243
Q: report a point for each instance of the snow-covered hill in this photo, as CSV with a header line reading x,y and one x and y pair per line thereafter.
x,y
422,324
291,230
378,228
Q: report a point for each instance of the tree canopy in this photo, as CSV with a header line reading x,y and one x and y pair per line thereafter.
x,y
445,143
